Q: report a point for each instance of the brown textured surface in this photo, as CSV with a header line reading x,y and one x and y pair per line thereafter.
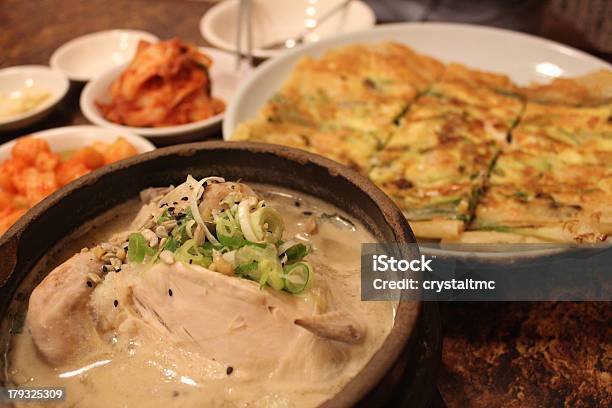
x,y
527,355
515,355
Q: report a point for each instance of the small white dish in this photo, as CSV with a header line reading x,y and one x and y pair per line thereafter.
x,y
31,78
224,78
280,20
76,137
86,57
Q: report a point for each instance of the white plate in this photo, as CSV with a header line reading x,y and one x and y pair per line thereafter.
x,y
76,137
225,80
279,20
39,78
86,57
523,57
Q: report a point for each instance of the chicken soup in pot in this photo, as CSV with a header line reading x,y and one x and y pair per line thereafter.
x,y
212,293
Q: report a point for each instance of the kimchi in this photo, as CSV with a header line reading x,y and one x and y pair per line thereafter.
x,y
166,84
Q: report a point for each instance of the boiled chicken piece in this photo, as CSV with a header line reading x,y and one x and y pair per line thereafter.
x,y
215,194
333,326
58,317
226,319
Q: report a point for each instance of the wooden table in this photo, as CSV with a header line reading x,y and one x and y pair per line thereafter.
x,y
511,355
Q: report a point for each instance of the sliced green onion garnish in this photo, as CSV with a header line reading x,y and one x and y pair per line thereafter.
x,y
228,231
231,242
267,224
193,205
249,253
297,276
244,218
269,269
246,269
273,271
190,253
296,252
247,235
138,248
171,244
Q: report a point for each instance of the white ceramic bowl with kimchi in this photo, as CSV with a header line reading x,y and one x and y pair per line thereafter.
x,y
170,93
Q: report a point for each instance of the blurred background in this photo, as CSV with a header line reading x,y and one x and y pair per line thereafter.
x,y
46,24
514,354
584,24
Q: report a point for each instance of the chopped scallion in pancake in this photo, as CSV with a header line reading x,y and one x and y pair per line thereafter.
x,y
351,148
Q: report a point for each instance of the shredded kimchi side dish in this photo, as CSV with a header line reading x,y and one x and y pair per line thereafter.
x,y
166,84
33,172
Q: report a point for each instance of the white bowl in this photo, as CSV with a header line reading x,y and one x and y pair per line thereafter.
x,y
279,20
224,78
86,57
38,77
523,57
76,137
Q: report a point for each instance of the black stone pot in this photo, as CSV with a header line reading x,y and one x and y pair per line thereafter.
x,y
402,372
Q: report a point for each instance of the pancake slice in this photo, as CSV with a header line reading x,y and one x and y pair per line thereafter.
x,y
545,197
574,134
349,147
437,162
434,172
359,87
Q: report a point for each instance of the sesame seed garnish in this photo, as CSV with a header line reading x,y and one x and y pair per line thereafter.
x,y
230,370
116,303
90,284
170,292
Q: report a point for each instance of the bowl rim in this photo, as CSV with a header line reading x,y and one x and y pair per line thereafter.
x,y
56,97
58,54
91,112
407,312
143,145
206,31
